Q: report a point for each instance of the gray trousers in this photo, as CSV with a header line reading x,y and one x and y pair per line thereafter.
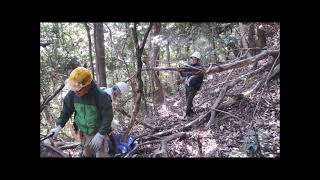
x,y
190,94
87,151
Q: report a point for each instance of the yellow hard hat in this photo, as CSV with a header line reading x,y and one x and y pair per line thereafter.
x,y
79,78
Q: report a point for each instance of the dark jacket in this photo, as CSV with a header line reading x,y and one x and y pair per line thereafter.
x,y
93,111
197,79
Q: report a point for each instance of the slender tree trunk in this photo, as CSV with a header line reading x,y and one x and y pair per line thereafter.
x,y
187,49
251,42
48,116
100,53
149,63
171,79
251,38
155,56
262,40
145,91
139,51
111,53
95,47
90,49
243,32
168,53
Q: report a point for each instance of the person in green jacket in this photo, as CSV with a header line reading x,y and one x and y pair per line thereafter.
x,y
93,113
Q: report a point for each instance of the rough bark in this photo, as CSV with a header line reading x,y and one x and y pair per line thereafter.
x,y
100,53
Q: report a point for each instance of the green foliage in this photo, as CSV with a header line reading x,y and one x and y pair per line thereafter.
x,y
69,41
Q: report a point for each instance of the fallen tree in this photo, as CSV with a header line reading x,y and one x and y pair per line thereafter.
x,y
71,146
224,67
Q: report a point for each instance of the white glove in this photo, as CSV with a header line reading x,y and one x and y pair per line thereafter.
x,y
56,131
96,142
188,79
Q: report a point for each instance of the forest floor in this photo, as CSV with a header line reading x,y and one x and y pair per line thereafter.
x,y
228,137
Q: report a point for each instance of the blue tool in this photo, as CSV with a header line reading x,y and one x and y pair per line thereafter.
x,y
119,147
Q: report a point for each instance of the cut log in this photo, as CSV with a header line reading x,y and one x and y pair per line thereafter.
x,y
243,62
224,67
70,146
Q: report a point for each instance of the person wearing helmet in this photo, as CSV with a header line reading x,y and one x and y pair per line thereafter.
x,y
116,90
93,113
194,80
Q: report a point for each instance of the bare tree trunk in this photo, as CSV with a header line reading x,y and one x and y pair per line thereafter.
x,y
155,56
168,53
100,53
144,96
132,84
90,49
243,32
214,45
139,51
262,40
110,36
187,48
177,54
251,41
111,53
213,35
171,78
149,63
95,47
251,38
